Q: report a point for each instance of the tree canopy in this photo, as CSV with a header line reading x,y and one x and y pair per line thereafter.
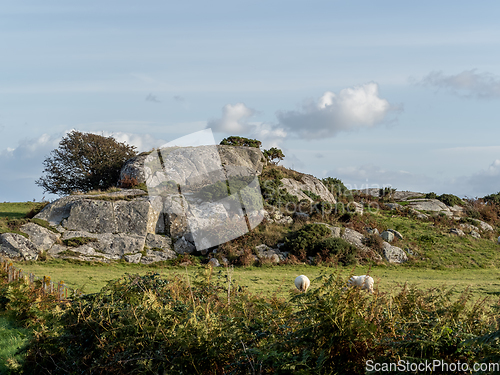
x,y
241,141
84,162
274,155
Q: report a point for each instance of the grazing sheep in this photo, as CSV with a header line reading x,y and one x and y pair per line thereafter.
x,y
302,283
364,281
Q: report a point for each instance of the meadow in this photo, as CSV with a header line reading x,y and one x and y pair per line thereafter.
x,y
430,307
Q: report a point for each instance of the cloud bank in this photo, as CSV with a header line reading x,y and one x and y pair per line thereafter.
x,y
351,109
468,83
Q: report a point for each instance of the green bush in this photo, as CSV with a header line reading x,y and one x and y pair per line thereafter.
x,y
311,195
302,242
343,251
206,325
274,194
450,200
78,241
335,186
493,198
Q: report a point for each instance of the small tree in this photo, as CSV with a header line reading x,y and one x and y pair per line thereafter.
x,y
84,162
274,155
240,141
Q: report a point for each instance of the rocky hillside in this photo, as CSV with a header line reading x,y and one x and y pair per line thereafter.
x,y
206,201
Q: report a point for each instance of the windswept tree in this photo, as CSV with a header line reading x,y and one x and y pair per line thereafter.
x,y
84,162
241,141
274,155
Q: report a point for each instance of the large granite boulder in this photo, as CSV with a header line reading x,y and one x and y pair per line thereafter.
x,y
18,247
43,238
428,205
308,183
192,166
394,254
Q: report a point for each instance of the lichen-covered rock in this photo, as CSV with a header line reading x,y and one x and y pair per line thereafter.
x,y
394,254
182,246
308,183
153,256
387,236
428,205
457,232
485,226
158,241
18,247
112,246
398,235
277,217
43,238
213,262
188,165
133,258
475,234
134,168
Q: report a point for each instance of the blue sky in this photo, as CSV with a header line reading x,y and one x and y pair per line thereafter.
x,y
375,93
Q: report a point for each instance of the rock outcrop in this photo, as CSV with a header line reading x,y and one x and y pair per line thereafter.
x,y
308,183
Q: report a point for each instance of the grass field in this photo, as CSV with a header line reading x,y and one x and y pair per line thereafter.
x,y
277,279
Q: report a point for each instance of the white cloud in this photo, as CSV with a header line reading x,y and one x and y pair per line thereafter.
x,y
350,109
467,83
234,119
143,142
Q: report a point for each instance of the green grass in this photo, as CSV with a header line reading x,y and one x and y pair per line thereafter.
x,y
16,210
277,279
12,337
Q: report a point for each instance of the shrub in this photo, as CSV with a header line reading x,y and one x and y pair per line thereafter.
x,y
450,200
335,186
241,141
302,242
493,198
78,241
128,182
84,162
374,242
343,251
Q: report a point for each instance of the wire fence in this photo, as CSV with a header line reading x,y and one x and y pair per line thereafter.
x,y
60,290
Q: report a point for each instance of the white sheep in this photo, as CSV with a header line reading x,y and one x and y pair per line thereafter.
x,y
302,283
363,281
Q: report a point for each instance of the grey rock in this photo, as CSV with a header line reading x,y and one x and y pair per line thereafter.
x,y
18,247
355,238
213,262
469,227
397,195
157,256
411,252
193,167
456,231
475,234
394,206
158,241
398,235
308,183
113,246
56,249
428,205
485,226
373,231
43,238
175,214
498,240
277,217
394,254
355,207
387,236
134,168
182,246
133,258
